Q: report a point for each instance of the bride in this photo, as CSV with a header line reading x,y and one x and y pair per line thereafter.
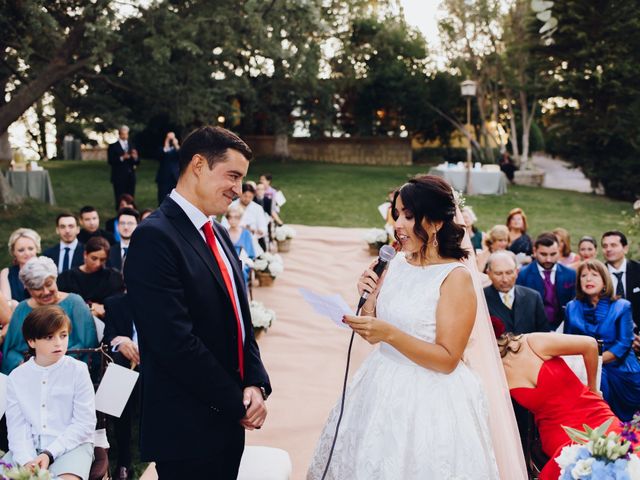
x,y
415,410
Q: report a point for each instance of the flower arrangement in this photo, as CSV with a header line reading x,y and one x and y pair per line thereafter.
x,y
14,472
269,263
376,238
261,317
284,232
601,455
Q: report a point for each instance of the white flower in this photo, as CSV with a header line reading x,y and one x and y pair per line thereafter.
x,y
375,235
283,232
260,264
633,467
568,456
276,269
582,468
261,317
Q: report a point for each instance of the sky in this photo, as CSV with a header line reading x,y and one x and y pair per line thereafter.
x,y
423,14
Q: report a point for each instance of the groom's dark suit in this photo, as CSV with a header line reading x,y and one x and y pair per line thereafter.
x,y
192,392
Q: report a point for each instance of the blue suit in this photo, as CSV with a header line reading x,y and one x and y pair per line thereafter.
x,y
612,323
565,285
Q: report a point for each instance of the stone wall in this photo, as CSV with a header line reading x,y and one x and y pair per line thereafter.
x,y
359,151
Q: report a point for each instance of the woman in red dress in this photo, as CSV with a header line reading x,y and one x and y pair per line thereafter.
x,y
541,381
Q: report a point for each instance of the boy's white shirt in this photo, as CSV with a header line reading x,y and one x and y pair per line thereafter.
x,y
55,404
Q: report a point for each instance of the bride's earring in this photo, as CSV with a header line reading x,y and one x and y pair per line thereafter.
x,y
435,239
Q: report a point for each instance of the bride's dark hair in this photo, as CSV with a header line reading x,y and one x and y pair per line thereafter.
x,y
431,198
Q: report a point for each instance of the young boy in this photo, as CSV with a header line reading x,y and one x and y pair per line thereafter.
x,y
51,416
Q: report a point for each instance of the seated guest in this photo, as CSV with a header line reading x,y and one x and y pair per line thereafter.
x,y
241,238
587,248
68,253
51,413
519,241
145,213
24,244
496,239
567,257
91,280
596,312
128,220
253,217
271,193
519,308
555,283
39,277
90,222
122,341
265,202
543,383
475,235
125,201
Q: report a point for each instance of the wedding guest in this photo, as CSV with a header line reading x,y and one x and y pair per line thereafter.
x,y
123,159
39,277
519,241
475,234
598,313
68,253
5,315
90,222
51,413
145,213
543,383
128,220
262,200
507,166
272,194
587,248
169,169
567,257
555,283
126,201
24,244
91,280
496,239
121,339
625,273
253,217
241,238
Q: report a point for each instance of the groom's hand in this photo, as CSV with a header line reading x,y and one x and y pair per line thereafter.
x,y
256,408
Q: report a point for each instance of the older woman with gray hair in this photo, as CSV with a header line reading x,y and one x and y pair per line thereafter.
x,y
39,278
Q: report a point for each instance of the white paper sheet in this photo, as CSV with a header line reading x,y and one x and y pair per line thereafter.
x,y
332,306
3,394
115,389
383,209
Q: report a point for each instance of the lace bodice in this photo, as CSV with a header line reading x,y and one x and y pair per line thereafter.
x,y
409,296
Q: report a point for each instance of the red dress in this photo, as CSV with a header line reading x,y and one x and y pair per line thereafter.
x,y
561,399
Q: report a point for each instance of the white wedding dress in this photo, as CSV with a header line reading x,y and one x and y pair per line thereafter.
x,y
401,420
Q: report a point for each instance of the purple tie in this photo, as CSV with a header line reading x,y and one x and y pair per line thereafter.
x,y
550,300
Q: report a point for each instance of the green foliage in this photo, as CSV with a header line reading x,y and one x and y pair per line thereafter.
x,y
592,67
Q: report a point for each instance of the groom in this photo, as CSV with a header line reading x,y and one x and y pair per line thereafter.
x,y
203,382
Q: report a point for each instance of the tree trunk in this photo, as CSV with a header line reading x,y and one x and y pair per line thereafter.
x,y
7,195
527,120
5,149
42,130
513,134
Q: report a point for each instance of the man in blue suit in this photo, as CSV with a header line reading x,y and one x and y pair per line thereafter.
x,y
69,252
552,280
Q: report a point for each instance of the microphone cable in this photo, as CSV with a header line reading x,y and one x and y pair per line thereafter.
x,y
344,394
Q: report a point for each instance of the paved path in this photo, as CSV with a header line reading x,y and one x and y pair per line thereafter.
x,y
561,175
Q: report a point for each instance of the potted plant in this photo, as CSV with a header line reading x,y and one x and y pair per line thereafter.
x,y
376,238
261,318
284,234
267,267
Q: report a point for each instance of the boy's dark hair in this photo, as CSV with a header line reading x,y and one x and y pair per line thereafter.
x,y
87,209
545,239
44,321
212,143
128,211
65,215
247,187
616,233
267,176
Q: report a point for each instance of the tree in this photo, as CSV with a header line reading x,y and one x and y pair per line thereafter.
x,y
590,75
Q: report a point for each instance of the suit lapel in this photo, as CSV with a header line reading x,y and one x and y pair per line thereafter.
x,y
237,273
188,231
503,312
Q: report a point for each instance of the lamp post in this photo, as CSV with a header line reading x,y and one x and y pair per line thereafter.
x,y
468,90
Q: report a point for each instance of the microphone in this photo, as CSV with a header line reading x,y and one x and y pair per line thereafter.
x,y
387,252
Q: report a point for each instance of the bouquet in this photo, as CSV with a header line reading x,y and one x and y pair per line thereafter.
x,y
284,232
597,454
269,263
376,236
14,472
261,317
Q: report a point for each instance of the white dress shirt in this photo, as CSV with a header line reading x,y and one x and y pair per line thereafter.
x,y
50,408
72,248
553,273
254,218
199,219
614,279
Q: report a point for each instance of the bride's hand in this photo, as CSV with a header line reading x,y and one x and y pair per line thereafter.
x,y
372,329
369,281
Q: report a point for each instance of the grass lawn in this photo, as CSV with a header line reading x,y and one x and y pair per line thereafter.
x,y
317,194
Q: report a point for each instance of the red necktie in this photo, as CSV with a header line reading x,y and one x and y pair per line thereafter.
x,y
211,241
